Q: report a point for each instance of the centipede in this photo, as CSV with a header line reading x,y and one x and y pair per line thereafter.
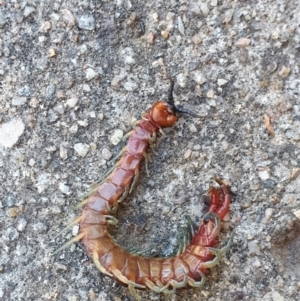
x,y
195,256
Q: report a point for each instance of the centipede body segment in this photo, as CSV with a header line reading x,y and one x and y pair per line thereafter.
x,y
162,275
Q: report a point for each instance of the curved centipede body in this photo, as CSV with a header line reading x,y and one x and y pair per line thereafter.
x,y
162,275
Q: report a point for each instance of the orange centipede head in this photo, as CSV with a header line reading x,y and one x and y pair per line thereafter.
x,y
162,114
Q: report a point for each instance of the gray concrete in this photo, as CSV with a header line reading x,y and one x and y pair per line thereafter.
x,y
74,75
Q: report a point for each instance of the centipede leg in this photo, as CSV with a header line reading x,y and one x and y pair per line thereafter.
x,y
70,242
96,185
124,195
135,179
119,155
134,293
146,163
75,222
179,284
197,284
111,220
98,264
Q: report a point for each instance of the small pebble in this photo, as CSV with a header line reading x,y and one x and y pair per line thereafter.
x,y
15,211
18,101
86,88
242,42
130,86
24,91
86,22
50,92
180,26
28,10
196,39
73,129
256,263
116,137
284,72
253,247
187,154
72,102
90,74
198,77
268,215
22,223
81,149
264,174
222,82
204,8
193,128
115,81
165,34
151,38
297,213
45,27
106,154
228,15
63,152
155,17
69,18
83,123
211,94
75,230
10,132
181,80
51,52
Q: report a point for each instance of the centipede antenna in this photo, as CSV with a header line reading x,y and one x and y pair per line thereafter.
x,y
180,109
70,242
75,222
170,94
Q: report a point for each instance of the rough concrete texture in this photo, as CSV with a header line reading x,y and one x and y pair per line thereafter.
x,y
76,74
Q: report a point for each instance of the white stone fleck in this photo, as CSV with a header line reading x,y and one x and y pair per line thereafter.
x,y
210,94
10,132
130,86
268,215
63,152
81,149
129,60
198,77
297,213
116,137
65,189
264,174
222,82
181,80
75,230
193,128
19,101
72,102
90,74
204,8
180,26
83,123
106,154
73,129
86,88
28,10
115,81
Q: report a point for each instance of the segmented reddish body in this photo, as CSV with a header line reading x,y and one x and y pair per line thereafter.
x,y
159,274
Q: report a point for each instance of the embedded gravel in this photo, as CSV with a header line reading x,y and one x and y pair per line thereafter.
x,y
75,75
